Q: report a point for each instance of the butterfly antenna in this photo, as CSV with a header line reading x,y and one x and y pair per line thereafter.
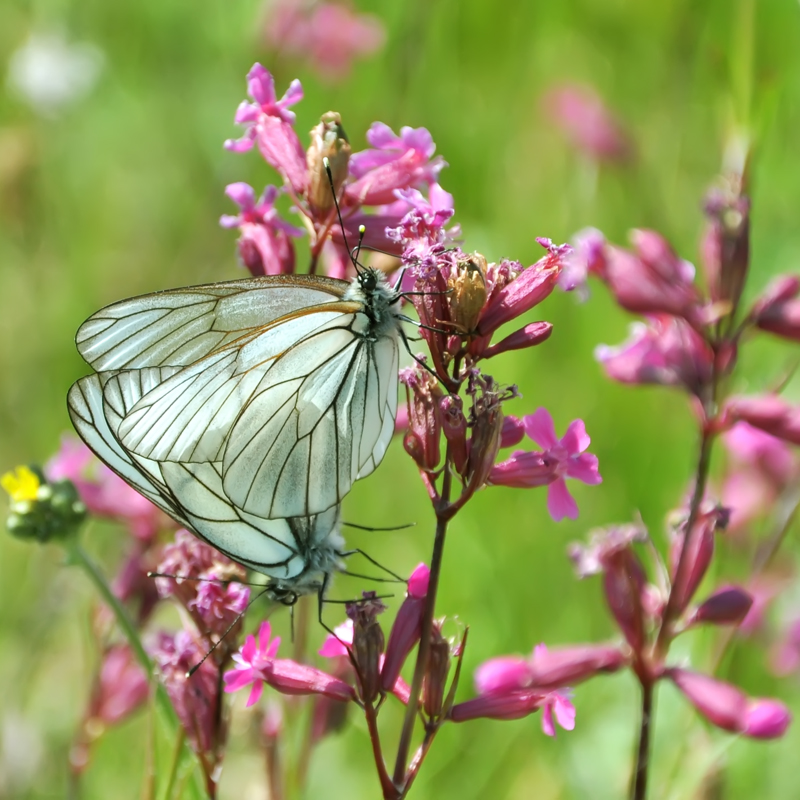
x,y
227,631
371,577
390,528
327,164
376,563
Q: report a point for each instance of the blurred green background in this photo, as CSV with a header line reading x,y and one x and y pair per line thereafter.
x,y
119,192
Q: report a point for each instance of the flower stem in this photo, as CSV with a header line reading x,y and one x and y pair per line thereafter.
x,y
77,555
388,788
639,783
442,517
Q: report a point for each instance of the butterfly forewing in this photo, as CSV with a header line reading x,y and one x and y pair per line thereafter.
x,y
179,326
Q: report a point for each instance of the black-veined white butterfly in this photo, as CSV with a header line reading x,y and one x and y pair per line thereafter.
x,y
247,409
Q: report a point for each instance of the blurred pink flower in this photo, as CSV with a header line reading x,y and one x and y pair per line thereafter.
x,y
586,122
560,459
761,467
121,687
329,35
104,492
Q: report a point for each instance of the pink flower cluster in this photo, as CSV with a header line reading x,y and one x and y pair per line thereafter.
x,y
638,607
386,178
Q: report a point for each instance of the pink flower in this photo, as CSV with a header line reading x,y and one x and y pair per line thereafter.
x,y
768,413
268,122
396,162
586,257
264,245
560,459
561,706
586,122
762,466
121,688
667,351
338,643
195,698
257,665
331,36
424,224
104,493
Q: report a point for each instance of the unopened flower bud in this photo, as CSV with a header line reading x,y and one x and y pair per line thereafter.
x,y
567,666
530,335
406,628
726,243
498,706
727,606
699,551
467,284
424,418
454,426
436,673
368,643
768,413
766,719
778,308
624,583
328,141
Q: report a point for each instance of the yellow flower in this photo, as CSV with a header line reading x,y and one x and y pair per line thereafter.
x,y
21,484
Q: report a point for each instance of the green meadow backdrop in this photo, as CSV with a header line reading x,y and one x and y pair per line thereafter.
x,y
119,193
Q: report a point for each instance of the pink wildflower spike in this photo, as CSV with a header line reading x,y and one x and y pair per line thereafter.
x,y
398,162
560,459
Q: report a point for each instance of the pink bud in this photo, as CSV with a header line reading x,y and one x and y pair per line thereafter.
x,y
778,309
699,550
722,704
569,665
766,719
530,335
528,289
727,606
407,627
498,706
290,677
655,281
513,431
454,426
769,413
502,675
624,583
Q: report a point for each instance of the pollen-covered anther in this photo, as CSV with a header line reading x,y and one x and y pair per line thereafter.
x,y
467,292
328,141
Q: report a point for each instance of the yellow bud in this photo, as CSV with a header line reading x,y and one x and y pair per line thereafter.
x,y
21,484
328,140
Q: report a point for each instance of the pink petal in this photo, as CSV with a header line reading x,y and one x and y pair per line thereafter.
x,y
560,502
273,647
261,85
264,633
584,468
242,194
239,145
565,713
418,582
255,694
249,649
539,427
503,674
294,94
576,440
547,720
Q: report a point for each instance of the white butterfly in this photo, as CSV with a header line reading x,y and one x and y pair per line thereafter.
x,y
246,409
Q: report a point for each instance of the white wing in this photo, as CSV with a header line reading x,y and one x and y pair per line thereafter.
x,y
177,327
192,493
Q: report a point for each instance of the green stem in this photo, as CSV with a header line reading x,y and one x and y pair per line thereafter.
x,y
78,556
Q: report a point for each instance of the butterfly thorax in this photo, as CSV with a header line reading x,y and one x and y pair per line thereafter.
x,y
376,296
